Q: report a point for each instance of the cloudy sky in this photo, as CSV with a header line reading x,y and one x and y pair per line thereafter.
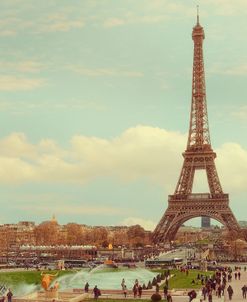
x,y
94,106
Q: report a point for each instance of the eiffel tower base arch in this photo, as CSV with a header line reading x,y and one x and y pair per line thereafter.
x,y
183,208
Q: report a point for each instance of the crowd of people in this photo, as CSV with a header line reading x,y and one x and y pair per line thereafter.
x,y
137,289
219,284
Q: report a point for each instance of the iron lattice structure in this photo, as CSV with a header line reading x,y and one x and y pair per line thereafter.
x,y
183,204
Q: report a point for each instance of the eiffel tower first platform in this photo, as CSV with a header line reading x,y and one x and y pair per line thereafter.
x,y
199,155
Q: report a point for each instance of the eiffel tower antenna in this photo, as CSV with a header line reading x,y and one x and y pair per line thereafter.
x,y
197,7
199,155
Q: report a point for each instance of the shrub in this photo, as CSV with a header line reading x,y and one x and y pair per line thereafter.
x,y
158,278
156,297
154,282
149,285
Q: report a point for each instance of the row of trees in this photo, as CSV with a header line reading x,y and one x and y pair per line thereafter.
x,y
51,233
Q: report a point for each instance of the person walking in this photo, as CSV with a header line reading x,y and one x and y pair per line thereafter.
x,y
219,291
125,291
169,298
123,284
204,292
96,292
229,277
192,295
135,290
210,296
86,287
165,290
244,290
230,292
140,291
9,295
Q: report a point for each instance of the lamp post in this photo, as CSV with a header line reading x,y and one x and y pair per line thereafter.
x,y
113,249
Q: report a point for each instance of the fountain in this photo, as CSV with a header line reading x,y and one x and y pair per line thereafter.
x,y
105,278
71,286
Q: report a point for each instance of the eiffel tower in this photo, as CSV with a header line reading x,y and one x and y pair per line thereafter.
x,y
199,155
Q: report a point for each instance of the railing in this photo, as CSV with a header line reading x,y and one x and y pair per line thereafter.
x,y
196,196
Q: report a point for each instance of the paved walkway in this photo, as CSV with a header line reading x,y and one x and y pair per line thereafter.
x,y
237,285
237,292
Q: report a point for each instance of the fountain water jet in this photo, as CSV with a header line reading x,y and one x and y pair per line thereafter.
x,y
106,278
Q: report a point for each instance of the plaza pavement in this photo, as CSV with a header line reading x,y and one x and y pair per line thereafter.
x,y
237,285
237,292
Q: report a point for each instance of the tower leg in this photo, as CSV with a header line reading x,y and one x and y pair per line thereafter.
x,y
180,211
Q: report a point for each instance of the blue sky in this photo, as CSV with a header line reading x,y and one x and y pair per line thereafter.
x,y
94,106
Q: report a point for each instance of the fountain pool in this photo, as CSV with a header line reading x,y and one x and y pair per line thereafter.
x,y
106,278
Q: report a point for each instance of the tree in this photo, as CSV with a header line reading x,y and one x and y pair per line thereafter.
x,y
118,237
46,233
87,236
74,234
99,236
136,235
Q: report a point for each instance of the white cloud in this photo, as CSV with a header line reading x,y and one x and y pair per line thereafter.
x,y
228,7
237,70
12,170
140,153
145,223
131,18
71,209
112,22
150,12
61,25
232,166
109,72
13,83
218,7
14,19
26,66
17,146
21,106
240,113
7,33
59,21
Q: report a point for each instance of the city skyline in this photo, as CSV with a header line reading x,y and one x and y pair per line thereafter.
x,y
95,102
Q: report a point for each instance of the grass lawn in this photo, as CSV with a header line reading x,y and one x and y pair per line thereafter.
x,y
180,280
29,277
